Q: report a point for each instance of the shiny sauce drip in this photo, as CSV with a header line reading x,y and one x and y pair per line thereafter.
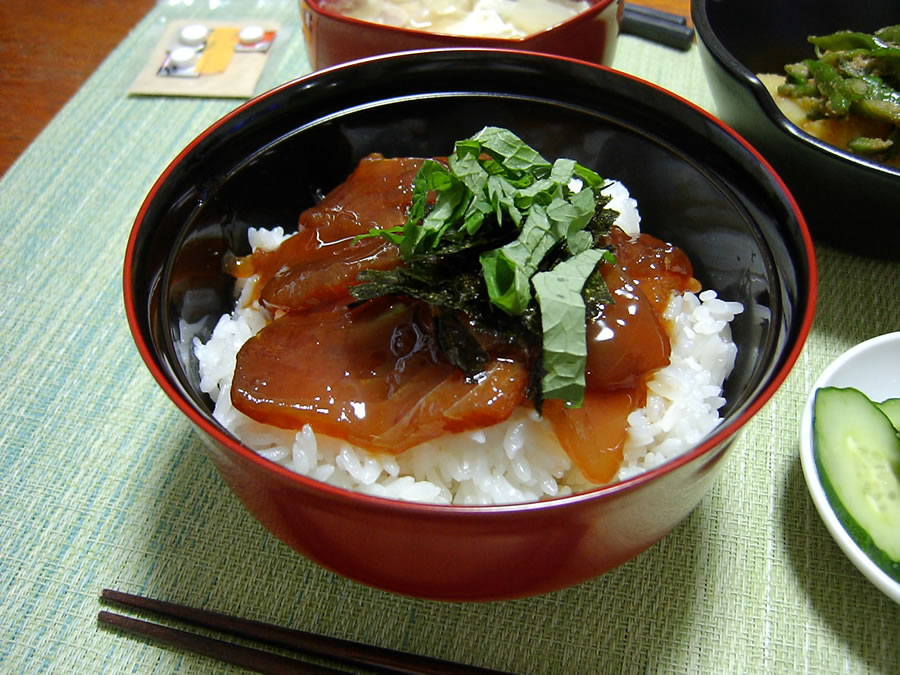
x,y
371,374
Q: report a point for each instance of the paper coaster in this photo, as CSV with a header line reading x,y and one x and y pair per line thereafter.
x,y
207,58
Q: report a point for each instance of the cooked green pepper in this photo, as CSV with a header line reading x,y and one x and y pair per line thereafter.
x,y
853,73
797,73
845,39
888,60
876,89
889,33
805,89
832,86
869,146
849,63
886,111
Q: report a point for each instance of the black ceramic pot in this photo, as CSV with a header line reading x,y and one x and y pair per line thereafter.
x,y
848,201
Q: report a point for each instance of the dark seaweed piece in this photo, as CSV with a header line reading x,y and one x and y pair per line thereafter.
x,y
452,286
458,344
596,294
602,222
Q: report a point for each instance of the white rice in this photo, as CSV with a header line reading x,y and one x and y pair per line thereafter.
x,y
517,460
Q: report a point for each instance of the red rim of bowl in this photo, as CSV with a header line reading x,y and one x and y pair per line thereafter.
x,y
719,436
495,42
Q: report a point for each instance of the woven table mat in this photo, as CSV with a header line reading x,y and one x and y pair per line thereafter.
x,y
103,483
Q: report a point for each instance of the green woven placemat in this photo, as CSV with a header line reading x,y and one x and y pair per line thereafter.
x,y
103,483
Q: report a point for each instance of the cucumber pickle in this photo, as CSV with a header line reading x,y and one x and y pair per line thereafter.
x,y
857,454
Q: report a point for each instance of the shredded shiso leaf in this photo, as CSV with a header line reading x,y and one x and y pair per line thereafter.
x,y
513,242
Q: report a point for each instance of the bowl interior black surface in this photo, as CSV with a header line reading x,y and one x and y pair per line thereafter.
x,y
695,184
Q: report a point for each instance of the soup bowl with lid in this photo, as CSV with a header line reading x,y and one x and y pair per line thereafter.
x,y
697,184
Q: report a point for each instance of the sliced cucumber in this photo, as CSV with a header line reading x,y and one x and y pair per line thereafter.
x,y
891,408
857,452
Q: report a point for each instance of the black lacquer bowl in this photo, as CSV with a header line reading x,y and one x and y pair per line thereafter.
x,y
698,185
848,201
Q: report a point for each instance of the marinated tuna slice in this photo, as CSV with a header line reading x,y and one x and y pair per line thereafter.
x,y
316,265
594,435
368,374
626,339
657,267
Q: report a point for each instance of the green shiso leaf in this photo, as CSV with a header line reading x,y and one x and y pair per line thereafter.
x,y
563,322
486,232
504,145
508,270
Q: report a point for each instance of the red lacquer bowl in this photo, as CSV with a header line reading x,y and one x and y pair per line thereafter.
x,y
333,38
697,183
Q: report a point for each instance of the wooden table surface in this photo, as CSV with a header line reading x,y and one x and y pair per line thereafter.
x,y
50,47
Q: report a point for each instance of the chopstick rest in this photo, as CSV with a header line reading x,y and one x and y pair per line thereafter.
x,y
656,25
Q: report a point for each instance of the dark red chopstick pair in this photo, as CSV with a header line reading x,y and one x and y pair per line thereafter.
x,y
376,659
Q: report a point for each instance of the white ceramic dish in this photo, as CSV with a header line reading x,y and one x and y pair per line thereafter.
x,y
873,367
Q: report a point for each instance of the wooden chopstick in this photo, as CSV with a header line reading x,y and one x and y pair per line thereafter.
x,y
379,659
247,657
